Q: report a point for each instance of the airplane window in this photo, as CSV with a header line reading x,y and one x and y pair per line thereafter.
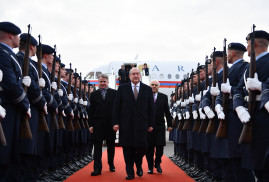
x,y
169,76
161,76
177,76
153,75
90,75
97,74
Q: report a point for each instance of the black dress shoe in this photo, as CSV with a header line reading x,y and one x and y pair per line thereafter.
x,y
129,177
96,173
150,171
159,169
139,172
112,168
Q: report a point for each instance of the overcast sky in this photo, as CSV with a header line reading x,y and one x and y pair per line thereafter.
x,y
90,33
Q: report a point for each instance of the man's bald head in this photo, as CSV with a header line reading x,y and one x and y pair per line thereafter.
x,y
155,85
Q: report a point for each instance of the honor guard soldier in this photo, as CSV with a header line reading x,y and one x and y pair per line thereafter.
x,y
13,99
253,154
235,57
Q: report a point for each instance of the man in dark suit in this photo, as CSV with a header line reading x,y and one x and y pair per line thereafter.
x,y
122,75
134,114
156,139
100,122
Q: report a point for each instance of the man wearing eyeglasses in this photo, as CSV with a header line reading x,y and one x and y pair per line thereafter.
x,y
156,139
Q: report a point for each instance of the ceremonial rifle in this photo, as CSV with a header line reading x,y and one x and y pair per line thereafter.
x,y
197,123
182,90
42,123
187,124
246,134
60,115
222,129
80,97
85,107
174,121
25,130
76,119
69,126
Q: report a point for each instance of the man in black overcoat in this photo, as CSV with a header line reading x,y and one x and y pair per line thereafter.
x,y
156,139
133,115
100,122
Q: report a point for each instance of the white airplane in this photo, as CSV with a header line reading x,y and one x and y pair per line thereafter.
x,y
168,73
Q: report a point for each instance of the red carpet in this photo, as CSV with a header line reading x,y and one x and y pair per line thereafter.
x,y
170,171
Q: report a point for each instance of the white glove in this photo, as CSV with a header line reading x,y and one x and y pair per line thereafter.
x,y
26,81
1,75
178,102
179,116
183,104
63,113
174,115
204,91
2,110
76,100
243,114
187,101
41,82
187,115
191,99
266,105
80,101
219,111
54,85
45,108
72,114
202,116
254,83
85,103
215,91
175,105
70,97
170,110
60,92
29,112
194,114
226,87
208,111
198,97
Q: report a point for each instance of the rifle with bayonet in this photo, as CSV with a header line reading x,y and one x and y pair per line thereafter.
x,y
85,107
76,118
197,123
212,123
60,115
53,119
69,122
246,134
182,90
81,120
222,129
187,124
42,123
204,123
174,121
25,131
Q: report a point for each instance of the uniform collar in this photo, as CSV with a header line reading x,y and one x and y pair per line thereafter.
x,y
261,55
6,46
137,85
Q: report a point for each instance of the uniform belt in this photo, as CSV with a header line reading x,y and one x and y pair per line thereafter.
x,y
258,98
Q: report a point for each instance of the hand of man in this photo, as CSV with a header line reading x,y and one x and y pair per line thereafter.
x,y
194,114
243,114
226,87
178,102
174,115
41,82
76,100
254,83
2,111
202,115
63,114
70,97
208,111
187,115
72,114
205,91
191,99
29,113
26,81
179,116
45,108
198,97
85,103
183,104
116,128
169,129
150,129
60,92
1,75
80,101
219,111
54,85
91,129
215,91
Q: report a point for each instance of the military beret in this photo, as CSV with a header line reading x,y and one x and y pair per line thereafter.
x,y
24,38
193,73
67,70
84,81
76,75
9,28
62,65
46,49
172,94
237,46
217,54
201,67
259,34
208,61
57,59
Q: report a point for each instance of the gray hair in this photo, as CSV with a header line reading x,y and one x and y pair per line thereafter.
x,y
154,80
103,76
134,68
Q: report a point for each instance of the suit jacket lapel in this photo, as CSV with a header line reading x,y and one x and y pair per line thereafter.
x,y
130,90
140,90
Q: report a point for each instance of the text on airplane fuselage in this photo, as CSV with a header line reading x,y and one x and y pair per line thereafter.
x,y
179,68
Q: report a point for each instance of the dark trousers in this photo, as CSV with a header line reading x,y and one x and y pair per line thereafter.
x,y
97,156
150,155
29,168
237,173
133,155
262,175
